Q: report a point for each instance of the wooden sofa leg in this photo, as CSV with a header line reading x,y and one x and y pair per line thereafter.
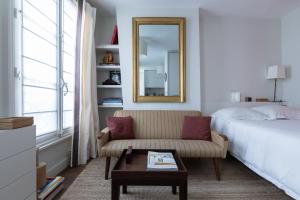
x,y
217,168
107,165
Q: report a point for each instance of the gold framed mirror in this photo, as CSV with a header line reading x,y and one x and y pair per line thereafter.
x,y
158,59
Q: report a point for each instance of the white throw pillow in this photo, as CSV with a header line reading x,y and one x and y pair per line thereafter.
x,y
239,113
272,111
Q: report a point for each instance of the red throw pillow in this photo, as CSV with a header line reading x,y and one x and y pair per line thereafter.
x,y
120,127
196,128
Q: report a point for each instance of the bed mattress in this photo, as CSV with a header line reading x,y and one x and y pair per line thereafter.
x,y
271,148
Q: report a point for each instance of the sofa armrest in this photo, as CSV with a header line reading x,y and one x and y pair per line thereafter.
x,y
221,140
102,138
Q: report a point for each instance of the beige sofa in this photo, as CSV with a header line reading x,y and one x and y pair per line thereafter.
x,y
162,130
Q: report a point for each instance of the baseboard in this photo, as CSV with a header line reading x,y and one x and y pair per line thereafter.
x,y
58,167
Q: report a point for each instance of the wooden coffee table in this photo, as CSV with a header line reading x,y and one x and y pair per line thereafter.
x,y
136,173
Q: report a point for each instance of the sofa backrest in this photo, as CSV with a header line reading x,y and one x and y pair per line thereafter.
x,y
157,124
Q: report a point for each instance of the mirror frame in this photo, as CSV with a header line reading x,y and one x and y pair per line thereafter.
x,y
136,22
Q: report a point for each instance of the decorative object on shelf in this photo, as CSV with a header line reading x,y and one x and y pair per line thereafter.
x,y
110,101
15,122
235,96
115,76
109,64
248,99
262,100
110,82
276,72
108,58
115,38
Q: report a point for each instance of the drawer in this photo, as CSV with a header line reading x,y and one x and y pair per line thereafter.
x,y
16,166
15,141
20,189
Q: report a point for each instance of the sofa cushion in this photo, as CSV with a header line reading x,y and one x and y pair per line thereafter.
x,y
185,148
120,127
157,124
196,128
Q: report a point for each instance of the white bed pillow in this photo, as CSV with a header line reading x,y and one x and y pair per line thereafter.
x,y
272,111
292,113
240,114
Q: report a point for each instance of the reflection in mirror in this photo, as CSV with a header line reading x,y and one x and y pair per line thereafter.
x,y
159,60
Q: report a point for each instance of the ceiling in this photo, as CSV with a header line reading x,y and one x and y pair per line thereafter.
x,y
242,8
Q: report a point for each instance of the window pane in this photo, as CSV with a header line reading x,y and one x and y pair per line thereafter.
x,y
45,122
39,99
68,119
36,22
38,48
40,94
70,8
46,7
69,101
69,63
38,74
69,45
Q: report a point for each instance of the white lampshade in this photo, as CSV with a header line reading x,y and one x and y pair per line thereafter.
x,y
143,47
276,71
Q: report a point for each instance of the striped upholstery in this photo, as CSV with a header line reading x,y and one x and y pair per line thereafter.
x,y
162,130
185,148
150,124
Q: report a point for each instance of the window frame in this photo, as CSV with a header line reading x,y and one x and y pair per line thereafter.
x,y
18,70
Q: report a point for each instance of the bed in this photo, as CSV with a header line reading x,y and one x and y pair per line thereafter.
x,y
268,145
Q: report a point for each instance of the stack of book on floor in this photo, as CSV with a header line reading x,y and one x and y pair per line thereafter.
x,y
51,188
111,102
161,161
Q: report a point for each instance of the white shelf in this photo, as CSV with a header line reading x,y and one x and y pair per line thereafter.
x,y
111,106
108,47
109,86
108,67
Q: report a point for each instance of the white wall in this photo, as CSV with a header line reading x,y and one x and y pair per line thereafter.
x,y
291,57
57,157
234,55
124,20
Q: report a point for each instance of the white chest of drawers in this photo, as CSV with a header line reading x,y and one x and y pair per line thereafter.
x,y
18,164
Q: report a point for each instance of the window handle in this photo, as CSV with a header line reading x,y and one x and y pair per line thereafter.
x,y
64,85
67,89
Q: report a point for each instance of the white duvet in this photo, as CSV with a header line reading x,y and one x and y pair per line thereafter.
x,y
271,148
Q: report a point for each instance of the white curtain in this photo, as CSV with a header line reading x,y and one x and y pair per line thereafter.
x,y
88,112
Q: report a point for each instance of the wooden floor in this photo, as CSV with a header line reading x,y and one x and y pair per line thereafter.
x,y
70,175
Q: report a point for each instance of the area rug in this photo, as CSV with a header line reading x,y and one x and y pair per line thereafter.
x,y
237,182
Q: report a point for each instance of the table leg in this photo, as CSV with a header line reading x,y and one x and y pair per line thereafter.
x,y
183,191
124,189
174,189
115,191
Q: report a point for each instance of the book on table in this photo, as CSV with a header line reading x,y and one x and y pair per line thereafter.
x,y
161,161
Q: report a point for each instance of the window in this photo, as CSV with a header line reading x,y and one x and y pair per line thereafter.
x,y
48,64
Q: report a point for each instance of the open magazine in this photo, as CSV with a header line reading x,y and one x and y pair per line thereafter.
x,y
161,161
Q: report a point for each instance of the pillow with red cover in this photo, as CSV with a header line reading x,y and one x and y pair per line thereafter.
x,y
196,128
120,127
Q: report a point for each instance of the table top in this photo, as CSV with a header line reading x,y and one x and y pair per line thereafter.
x,y
138,165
